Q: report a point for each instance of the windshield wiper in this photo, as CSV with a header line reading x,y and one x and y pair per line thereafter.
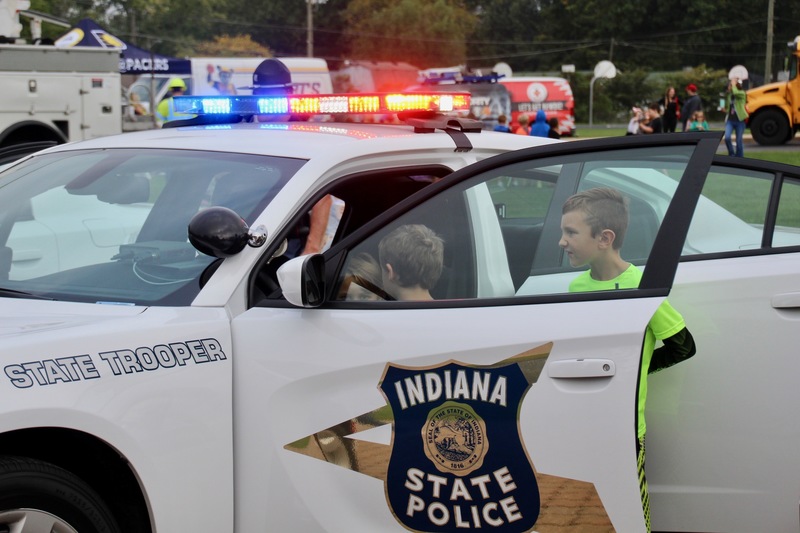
x,y
11,293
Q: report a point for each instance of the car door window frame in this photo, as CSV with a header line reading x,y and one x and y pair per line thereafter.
x,y
658,276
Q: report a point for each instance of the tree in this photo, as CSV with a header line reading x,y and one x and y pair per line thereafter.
x,y
277,24
423,33
653,44
507,31
65,9
232,46
170,27
541,35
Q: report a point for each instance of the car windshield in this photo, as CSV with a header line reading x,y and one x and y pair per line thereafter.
x,y
110,226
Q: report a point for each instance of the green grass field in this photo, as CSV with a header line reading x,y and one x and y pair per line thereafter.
x,y
790,157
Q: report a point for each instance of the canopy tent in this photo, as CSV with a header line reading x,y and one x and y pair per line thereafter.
x,y
133,60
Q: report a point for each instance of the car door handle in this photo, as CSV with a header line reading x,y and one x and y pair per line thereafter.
x,y
23,256
787,300
581,368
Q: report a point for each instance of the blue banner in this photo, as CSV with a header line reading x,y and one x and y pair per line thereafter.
x,y
133,60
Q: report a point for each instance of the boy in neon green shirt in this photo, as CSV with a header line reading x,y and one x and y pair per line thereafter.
x,y
593,226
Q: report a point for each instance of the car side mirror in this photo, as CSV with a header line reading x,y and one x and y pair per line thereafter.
x,y
302,280
218,232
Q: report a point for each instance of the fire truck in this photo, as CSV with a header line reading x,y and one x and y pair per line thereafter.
x,y
494,94
775,108
50,94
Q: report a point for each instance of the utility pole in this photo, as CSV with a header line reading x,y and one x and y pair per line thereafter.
x,y
134,27
768,65
310,33
310,23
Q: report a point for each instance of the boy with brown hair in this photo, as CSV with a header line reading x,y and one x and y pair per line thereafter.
x,y
411,259
593,226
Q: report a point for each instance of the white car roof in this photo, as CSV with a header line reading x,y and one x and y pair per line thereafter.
x,y
305,140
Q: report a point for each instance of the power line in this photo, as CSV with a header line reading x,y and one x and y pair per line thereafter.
x,y
578,43
534,53
524,49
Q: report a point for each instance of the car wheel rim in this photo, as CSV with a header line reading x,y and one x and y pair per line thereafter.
x,y
34,521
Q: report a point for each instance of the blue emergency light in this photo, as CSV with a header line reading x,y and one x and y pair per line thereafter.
x,y
298,104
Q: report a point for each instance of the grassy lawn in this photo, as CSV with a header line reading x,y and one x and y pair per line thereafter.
x,y
780,156
790,157
585,132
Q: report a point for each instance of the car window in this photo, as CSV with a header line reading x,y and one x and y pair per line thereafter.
x,y
361,197
350,203
731,212
500,230
111,225
735,208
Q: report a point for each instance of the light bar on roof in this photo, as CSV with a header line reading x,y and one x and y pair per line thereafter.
x,y
298,104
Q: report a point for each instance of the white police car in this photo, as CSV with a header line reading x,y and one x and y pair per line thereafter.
x,y
150,387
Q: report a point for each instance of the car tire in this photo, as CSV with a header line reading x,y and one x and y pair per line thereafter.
x,y
770,128
38,496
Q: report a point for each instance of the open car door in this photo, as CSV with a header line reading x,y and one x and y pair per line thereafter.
x,y
506,403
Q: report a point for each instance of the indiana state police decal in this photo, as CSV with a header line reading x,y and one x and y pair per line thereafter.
x,y
457,459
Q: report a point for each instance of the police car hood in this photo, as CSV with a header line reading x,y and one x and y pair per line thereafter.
x,y
30,317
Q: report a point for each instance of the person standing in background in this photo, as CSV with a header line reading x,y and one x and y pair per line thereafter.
x,y
653,123
692,104
502,124
523,128
166,108
735,117
637,116
553,133
540,127
671,110
698,122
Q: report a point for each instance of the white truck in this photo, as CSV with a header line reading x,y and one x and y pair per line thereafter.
x,y
55,95
50,94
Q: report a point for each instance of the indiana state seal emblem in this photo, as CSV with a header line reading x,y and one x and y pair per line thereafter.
x,y
457,459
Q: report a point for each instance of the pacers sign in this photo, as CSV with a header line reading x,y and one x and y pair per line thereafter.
x,y
457,459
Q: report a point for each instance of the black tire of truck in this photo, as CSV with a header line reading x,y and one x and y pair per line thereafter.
x,y
34,491
770,128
